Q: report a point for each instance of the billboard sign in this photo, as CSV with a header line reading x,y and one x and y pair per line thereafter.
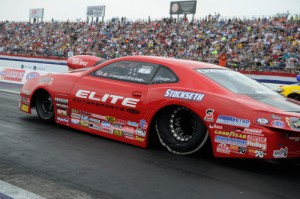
x,y
95,11
36,13
183,7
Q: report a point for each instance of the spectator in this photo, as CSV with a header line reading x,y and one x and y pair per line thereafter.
x,y
255,43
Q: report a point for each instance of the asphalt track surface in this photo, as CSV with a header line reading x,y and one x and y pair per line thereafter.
x,y
53,161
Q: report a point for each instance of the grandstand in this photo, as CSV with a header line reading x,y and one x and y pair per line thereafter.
x,y
262,44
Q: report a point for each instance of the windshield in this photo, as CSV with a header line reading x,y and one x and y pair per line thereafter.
x,y
237,82
243,85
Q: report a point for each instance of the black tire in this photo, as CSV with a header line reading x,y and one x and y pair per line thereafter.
x,y
180,130
44,106
294,96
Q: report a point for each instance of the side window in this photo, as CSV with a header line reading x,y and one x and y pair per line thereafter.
x,y
140,72
164,75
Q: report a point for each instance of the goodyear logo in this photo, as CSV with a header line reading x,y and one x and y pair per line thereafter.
x,y
231,134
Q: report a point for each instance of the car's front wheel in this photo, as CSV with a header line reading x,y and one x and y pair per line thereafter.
x,y
44,106
180,130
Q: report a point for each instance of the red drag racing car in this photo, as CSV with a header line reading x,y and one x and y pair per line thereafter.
x,y
186,103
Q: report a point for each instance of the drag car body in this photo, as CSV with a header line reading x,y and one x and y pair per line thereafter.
x,y
186,103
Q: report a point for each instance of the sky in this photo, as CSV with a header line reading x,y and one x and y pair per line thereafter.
x,y
72,10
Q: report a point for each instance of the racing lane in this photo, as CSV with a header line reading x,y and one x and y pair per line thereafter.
x,y
58,162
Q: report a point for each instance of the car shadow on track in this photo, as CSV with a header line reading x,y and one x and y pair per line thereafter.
x,y
288,169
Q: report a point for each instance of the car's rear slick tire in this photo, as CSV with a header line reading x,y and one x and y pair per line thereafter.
x,y
180,130
44,106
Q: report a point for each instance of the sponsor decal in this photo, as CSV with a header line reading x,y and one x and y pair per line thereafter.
x,y
24,108
32,75
128,129
85,118
231,141
231,134
262,121
139,139
106,130
259,154
118,133
25,100
132,111
95,127
295,139
94,120
276,117
117,126
229,120
101,117
215,126
83,123
278,124
45,80
110,119
143,124
78,61
81,112
281,153
25,91
63,106
75,121
209,115
75,115
121,121
256,153
128,135
62,112
252,131
140,132
294,123
242,150
223,148
134,124
256,144
107,98
61,101
184,95
62,119
238,149
256,138
105,124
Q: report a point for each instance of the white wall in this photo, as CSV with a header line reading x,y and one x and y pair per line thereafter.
x,y
34,64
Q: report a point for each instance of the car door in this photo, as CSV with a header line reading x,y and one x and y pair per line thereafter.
x,y
112,99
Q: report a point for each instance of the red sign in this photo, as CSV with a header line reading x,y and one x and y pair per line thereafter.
x,y
9,74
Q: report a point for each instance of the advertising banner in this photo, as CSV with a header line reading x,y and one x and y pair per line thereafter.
x,y
183,7
13,75
36,13
19,76
95,11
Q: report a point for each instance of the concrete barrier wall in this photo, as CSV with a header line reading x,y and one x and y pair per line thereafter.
x,y
17,69
39,64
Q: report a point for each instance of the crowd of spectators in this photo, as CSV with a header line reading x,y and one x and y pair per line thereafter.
x,y
271,43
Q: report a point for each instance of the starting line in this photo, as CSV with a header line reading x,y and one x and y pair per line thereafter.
x,y
9,191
